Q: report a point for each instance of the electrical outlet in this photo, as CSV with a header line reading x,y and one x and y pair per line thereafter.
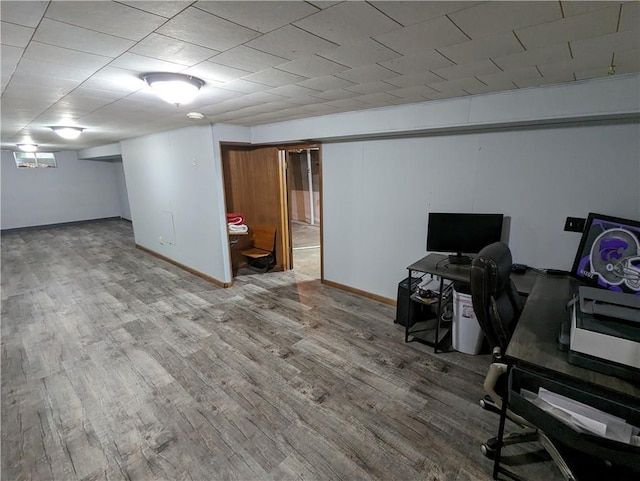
x,y
194,161
574,224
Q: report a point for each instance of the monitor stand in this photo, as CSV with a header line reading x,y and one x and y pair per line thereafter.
x,y
459,259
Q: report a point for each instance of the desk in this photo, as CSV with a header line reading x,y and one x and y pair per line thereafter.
x,y
534,356
438,265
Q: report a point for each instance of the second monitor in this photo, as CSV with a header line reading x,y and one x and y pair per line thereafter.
x,y
462,233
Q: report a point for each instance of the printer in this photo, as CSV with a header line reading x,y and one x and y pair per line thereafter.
x,y
605,332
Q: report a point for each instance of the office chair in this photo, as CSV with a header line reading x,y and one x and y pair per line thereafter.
x,y
497,306
262,252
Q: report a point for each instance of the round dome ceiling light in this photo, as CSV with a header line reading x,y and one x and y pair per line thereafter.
x,y
27,147
174,88
68,133
195,115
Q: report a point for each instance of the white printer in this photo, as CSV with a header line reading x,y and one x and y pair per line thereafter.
x,y
605,332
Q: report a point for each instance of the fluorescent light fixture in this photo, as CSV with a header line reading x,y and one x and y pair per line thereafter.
x,y
174,88
27,147
68,132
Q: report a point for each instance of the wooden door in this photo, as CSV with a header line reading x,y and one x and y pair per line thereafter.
x,y
255,185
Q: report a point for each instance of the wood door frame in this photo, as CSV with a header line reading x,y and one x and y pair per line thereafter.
x,y
305,146
283,189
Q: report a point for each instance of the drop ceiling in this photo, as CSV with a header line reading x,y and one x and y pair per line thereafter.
x,y
79,63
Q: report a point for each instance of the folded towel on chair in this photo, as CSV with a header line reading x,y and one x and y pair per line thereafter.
x,y
240,229
235,218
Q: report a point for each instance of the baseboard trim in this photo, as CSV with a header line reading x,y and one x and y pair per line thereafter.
x,y
213,280
60,224
353,290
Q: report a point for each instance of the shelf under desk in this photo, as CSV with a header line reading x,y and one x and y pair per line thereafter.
x,y
439,265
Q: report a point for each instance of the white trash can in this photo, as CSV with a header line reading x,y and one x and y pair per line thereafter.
x,y
466,335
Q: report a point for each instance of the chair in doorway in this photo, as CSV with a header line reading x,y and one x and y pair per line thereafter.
x,y
497,306
262,253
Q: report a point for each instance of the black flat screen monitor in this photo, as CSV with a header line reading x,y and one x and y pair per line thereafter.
x,y
462,233
609,254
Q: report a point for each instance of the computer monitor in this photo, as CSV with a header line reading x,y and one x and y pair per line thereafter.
x,y
609,254
460,233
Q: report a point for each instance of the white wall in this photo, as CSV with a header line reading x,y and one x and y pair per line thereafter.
x,y
74,191
125,210
377,193
176,200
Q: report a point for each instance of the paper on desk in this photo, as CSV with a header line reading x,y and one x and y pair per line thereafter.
x,y
584,417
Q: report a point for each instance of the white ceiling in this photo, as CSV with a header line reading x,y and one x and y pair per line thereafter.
x,y
79,63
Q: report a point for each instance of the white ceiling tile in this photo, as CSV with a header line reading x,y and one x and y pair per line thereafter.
x,y
312,66
68,36
22,13
15,35
417,91
371,87
420,62
485,47
550,79
630,16
63,56
216,72
592,24
42,81
378,99
334,94
289,42
327,82
467,85
165,9
490,18
367,73
29,66
9,58
172,50
572,7
345,104
248,59
605,44
627,61
554,53
408,13
259,16
274,78
107,17
466,70
142,64
347,22
359,54
115,79
417,79
201,28
423,36
504,80
245,87
292,91
591,63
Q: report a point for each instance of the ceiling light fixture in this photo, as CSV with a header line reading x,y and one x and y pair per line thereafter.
x,y
27,147
174,88
68,132
195,115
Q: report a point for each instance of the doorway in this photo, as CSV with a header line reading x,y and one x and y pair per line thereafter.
x,y
303,183
280,187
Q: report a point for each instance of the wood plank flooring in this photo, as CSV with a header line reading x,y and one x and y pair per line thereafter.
x,y
119,366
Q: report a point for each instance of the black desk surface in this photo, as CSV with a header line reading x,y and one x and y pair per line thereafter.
x,y
438,264
535,340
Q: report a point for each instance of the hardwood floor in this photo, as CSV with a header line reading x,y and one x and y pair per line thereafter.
x,y
119,366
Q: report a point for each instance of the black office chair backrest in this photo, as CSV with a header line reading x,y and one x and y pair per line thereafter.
x,y
495,299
